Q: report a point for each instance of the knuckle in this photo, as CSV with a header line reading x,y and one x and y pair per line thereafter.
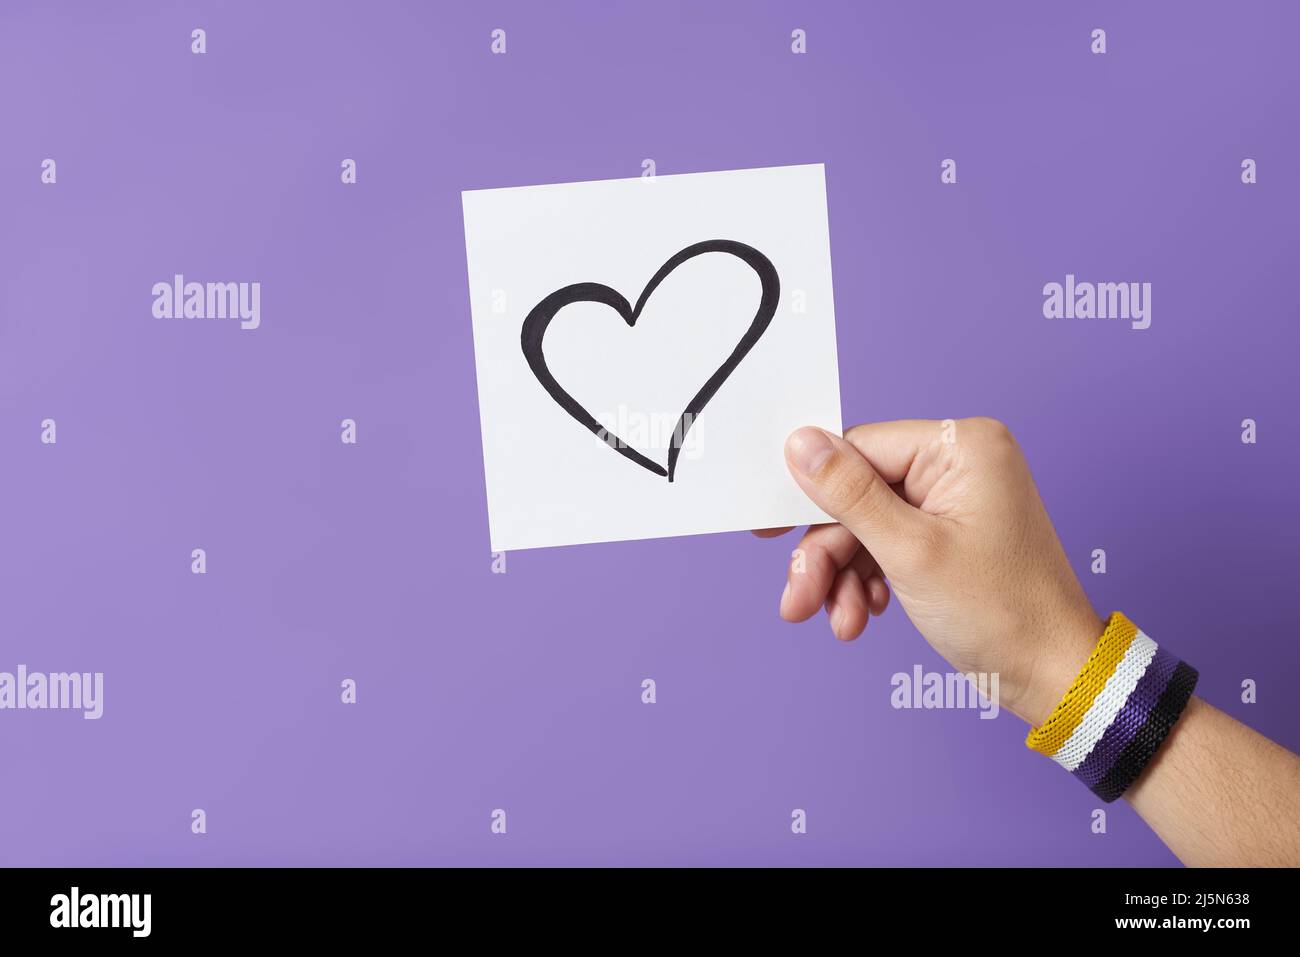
x,y
995,435
992,429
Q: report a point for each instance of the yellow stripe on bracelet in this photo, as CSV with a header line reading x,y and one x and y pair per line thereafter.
x,y
1049,736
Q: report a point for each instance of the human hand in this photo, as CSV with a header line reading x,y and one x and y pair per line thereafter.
x,y
948,515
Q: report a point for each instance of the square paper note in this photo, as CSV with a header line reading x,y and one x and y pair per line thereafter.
x,y
644,347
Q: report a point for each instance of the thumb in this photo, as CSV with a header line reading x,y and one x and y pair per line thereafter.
x,y
833,473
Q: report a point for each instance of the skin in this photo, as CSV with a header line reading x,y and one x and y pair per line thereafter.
x,y
946,517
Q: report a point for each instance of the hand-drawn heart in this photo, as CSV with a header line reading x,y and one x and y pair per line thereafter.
x,y
541,315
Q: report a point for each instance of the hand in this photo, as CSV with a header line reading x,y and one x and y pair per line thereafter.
x,y
948,514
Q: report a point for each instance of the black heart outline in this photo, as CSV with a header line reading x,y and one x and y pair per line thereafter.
x,y
540,317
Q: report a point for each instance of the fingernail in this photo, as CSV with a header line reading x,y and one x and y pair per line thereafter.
x,y
785,594
808,449
837,614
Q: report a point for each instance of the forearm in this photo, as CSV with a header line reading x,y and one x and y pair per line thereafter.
x,y
1220,794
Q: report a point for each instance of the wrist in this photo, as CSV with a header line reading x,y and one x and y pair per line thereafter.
x,y
1057,662
1117,711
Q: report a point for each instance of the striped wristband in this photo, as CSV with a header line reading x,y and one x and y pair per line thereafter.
x,y
1118,711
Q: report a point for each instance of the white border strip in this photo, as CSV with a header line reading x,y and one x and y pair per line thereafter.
x,y
1101,713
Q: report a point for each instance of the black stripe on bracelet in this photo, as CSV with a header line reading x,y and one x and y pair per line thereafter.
x,y
1149,737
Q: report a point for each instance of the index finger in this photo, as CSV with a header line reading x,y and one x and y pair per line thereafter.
x,y
892,447
772,532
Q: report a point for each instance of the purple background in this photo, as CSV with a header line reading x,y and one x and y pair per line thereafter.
x,y
522,691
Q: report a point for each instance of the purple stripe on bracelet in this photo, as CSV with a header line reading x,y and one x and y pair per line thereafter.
x,y
1130,719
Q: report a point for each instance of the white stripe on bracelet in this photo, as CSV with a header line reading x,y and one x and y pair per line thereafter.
x,y
1101,713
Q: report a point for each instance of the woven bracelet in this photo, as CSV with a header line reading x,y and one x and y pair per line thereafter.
x,y
1117,712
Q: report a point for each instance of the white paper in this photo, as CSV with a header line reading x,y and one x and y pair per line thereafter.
x,y
550,479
